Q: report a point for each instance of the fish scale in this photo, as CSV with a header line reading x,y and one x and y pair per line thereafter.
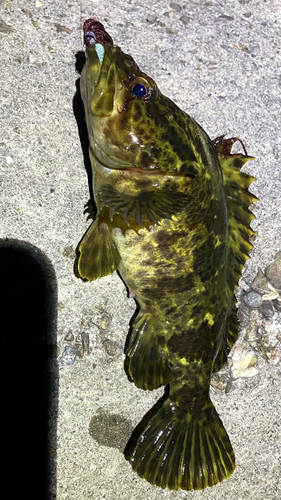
x,y
173,218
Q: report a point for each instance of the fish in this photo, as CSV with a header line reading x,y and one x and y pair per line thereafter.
x,y
173,218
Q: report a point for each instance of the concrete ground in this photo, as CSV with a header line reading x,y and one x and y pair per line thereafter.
x,y
219,61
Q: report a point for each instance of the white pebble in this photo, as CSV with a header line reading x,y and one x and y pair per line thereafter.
x,y
68,356
274,356
243,360
243,356
249,372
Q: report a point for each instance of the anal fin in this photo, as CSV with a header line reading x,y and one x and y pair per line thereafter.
x,y
146,363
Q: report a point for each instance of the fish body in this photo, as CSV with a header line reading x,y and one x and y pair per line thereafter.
x,y
173,218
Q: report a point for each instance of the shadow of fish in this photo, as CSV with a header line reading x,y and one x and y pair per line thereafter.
x,y
173,218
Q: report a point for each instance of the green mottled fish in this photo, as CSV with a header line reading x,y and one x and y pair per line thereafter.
x,y
173,218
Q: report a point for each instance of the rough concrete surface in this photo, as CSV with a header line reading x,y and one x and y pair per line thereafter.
x,y
220,62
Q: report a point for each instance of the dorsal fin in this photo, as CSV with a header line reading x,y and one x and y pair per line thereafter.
x,y
238,199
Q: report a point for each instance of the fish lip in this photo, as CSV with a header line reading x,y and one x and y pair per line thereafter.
x,y
94,32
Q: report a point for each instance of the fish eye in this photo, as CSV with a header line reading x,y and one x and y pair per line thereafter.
x,y
140,87
139,90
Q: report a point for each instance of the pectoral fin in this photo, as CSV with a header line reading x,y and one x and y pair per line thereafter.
x,y
98,253
147,206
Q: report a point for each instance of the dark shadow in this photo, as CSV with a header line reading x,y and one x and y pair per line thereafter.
x,y
90,209
79,113
143,424
131,323
29,372
110,429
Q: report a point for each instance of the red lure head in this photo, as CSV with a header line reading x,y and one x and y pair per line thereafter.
x,y
94,32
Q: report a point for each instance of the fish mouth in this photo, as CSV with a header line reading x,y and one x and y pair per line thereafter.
x,y
95,34
96,91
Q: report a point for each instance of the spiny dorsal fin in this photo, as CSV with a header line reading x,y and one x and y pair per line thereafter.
x,y
238,199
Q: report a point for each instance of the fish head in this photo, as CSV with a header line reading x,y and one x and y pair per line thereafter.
x,y
131,124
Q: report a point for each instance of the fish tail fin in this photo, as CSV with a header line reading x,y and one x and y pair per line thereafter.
x,y
146,364
187,452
